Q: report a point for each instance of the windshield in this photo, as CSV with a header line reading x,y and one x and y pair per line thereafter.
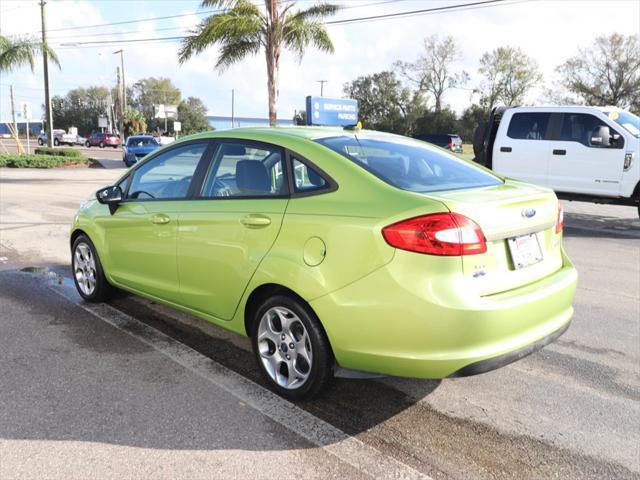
x,y
410,165
141,142
627,120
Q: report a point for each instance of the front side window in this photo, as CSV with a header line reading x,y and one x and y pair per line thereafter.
x,y
245,170
306,178
168,175
528,126
628,121
586,129
410,165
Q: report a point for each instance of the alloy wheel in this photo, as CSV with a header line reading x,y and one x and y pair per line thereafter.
x,y
284,347
84,268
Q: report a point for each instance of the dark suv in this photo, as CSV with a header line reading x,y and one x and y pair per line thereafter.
x,y
103,139
450,141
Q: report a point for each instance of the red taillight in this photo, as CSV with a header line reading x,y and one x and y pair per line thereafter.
x,y
560,221
449,234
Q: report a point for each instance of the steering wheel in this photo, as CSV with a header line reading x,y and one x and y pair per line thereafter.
x,y
140,192
220,189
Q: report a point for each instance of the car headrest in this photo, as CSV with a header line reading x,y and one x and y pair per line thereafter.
x,y
315,178
252,175
234,150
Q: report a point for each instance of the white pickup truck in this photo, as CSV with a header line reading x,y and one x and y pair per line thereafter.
x,y
583,153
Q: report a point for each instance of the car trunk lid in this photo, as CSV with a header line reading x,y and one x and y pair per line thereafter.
x,y
519,223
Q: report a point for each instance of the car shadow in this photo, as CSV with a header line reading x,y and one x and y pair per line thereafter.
x,y
155,406
603,226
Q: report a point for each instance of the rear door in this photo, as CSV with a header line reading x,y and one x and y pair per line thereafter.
x,y
522,146
225,233
578,163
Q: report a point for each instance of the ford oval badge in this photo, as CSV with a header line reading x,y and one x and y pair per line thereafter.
x,y
528,212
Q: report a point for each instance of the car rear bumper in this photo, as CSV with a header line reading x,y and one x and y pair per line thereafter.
x,y
402,321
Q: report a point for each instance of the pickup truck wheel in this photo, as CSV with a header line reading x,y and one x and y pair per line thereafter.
x,y
56,142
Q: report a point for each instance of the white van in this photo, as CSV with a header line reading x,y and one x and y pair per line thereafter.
x,y
583,153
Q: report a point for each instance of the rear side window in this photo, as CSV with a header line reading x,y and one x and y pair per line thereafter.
x,y
410,165
306,178
583,128
529,126
245,170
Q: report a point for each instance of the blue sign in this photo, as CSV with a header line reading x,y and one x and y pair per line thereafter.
x,y
332,111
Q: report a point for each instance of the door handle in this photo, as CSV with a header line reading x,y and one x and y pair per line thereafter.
x,y
559,152
505,149
255,220
160,219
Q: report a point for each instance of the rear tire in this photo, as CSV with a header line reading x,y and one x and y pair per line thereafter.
x,y
87,144
88,275
56,142
478,144
291,348
101,144
40,142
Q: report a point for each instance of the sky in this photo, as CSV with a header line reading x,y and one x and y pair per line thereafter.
x,y
549,31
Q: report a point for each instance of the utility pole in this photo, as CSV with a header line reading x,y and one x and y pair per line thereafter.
x,y
233,93
121,116
322,82
124,84
13,112
45,62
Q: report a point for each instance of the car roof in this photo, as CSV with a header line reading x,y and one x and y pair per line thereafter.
x,y
303,132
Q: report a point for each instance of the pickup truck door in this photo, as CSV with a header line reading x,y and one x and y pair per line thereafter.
x,y
521,149
578,163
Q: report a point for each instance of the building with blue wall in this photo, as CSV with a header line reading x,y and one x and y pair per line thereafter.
x,y
224,123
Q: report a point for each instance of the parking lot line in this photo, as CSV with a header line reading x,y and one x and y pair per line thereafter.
x,y
346,448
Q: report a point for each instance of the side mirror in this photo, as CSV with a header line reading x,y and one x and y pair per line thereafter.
x,y
601,136
111,196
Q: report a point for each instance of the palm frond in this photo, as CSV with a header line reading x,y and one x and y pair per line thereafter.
x,y
231,53
299,33
239,26
317,12
22,51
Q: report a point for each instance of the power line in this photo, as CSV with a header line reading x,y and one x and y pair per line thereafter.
x,y
424,11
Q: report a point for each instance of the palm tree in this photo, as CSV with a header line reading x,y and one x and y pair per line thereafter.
x,y
22,51
242,29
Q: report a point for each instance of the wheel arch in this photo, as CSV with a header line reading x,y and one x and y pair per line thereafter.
x,y
267,290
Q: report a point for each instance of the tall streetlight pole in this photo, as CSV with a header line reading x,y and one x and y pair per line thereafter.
x,y
322,82
124,84
45,62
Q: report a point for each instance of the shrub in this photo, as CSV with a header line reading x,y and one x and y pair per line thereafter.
x,y
13,160
62,152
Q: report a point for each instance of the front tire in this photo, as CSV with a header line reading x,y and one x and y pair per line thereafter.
x,y
87,271
87,144
291,348
40,142
101,144
56,142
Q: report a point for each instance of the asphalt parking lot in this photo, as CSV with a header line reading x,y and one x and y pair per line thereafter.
x,y
136,390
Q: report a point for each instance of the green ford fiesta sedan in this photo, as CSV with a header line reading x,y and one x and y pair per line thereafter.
x,y
335,251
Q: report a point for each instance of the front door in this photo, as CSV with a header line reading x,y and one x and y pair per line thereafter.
x,y
141,235
579,163
225,233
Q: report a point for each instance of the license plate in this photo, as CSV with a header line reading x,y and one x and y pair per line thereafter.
x,y
525,250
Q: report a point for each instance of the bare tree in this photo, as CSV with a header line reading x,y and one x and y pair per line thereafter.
x,y
508,75
432,72
606,73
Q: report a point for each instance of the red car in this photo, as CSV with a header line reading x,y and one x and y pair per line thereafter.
x,y
103,139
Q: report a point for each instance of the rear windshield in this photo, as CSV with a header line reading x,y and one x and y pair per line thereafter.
x,y
141,142
410,165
